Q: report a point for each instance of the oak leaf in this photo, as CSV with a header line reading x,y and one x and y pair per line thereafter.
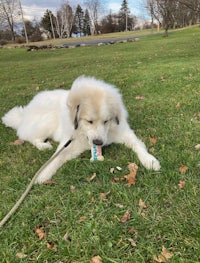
x,y
131,178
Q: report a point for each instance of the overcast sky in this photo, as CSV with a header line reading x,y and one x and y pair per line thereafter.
x,y
35,9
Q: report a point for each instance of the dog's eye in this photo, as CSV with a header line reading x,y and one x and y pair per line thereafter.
x,y
105,122
91,122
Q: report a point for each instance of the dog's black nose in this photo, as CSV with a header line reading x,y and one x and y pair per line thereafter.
x,y
97,142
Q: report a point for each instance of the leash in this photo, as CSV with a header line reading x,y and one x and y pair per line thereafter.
x,y
19,202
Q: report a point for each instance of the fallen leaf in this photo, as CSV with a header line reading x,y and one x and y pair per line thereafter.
x,y
52,246
49,182
21,255
131,178
139,97
164,255
17,142
183,169
132,231
72,188
92,199
92,177
181,184
197,147
142,204
126,217
40,232
119,179
103,195
153,139
133,244
178,105
81,219
96,259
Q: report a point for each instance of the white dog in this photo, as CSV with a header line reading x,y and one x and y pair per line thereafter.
x,y
91,113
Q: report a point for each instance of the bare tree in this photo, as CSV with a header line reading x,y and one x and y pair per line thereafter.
x,y
94,7
9,11
176,13
64,20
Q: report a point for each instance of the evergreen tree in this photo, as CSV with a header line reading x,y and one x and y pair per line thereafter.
x,y
86,24
78,21
46,22
123,16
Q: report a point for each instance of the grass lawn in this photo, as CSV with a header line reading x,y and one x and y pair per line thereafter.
x,y
160,82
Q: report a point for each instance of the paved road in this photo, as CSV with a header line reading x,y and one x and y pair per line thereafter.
x,y
99,41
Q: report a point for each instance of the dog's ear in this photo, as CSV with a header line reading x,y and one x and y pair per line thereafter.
x,y
76,118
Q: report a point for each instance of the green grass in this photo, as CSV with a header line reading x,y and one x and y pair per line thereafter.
x,y
166,71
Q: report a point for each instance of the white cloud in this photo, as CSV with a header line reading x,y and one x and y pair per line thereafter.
x,y
114,7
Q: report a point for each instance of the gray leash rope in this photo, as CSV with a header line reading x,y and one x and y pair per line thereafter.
x,y
18,203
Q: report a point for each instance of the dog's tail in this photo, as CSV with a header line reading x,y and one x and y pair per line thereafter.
x,y
13,118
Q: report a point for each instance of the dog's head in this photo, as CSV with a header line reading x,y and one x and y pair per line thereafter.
x,y
95,108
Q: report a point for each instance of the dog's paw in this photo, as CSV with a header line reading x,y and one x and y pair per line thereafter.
x,y
42,145
151,163
40,180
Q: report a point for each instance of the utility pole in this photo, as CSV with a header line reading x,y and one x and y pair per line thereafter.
x,y
25,32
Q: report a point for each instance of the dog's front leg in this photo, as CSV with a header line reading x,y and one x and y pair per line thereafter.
x,y
129,138
71,152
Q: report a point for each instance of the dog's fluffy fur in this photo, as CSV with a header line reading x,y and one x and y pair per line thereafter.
x,y
92,112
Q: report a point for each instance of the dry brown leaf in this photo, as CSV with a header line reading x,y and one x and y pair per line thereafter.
x,y
183,169
126,217
103,195
153,139
17,142
118,179
81,219
132,231
178,105
133,244
40,232
49,182
96,259
181,184
139,97
92,177
131,178
142,204
51,246
72,188
164,255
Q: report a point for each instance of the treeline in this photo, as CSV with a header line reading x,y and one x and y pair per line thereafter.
x,y
88,20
